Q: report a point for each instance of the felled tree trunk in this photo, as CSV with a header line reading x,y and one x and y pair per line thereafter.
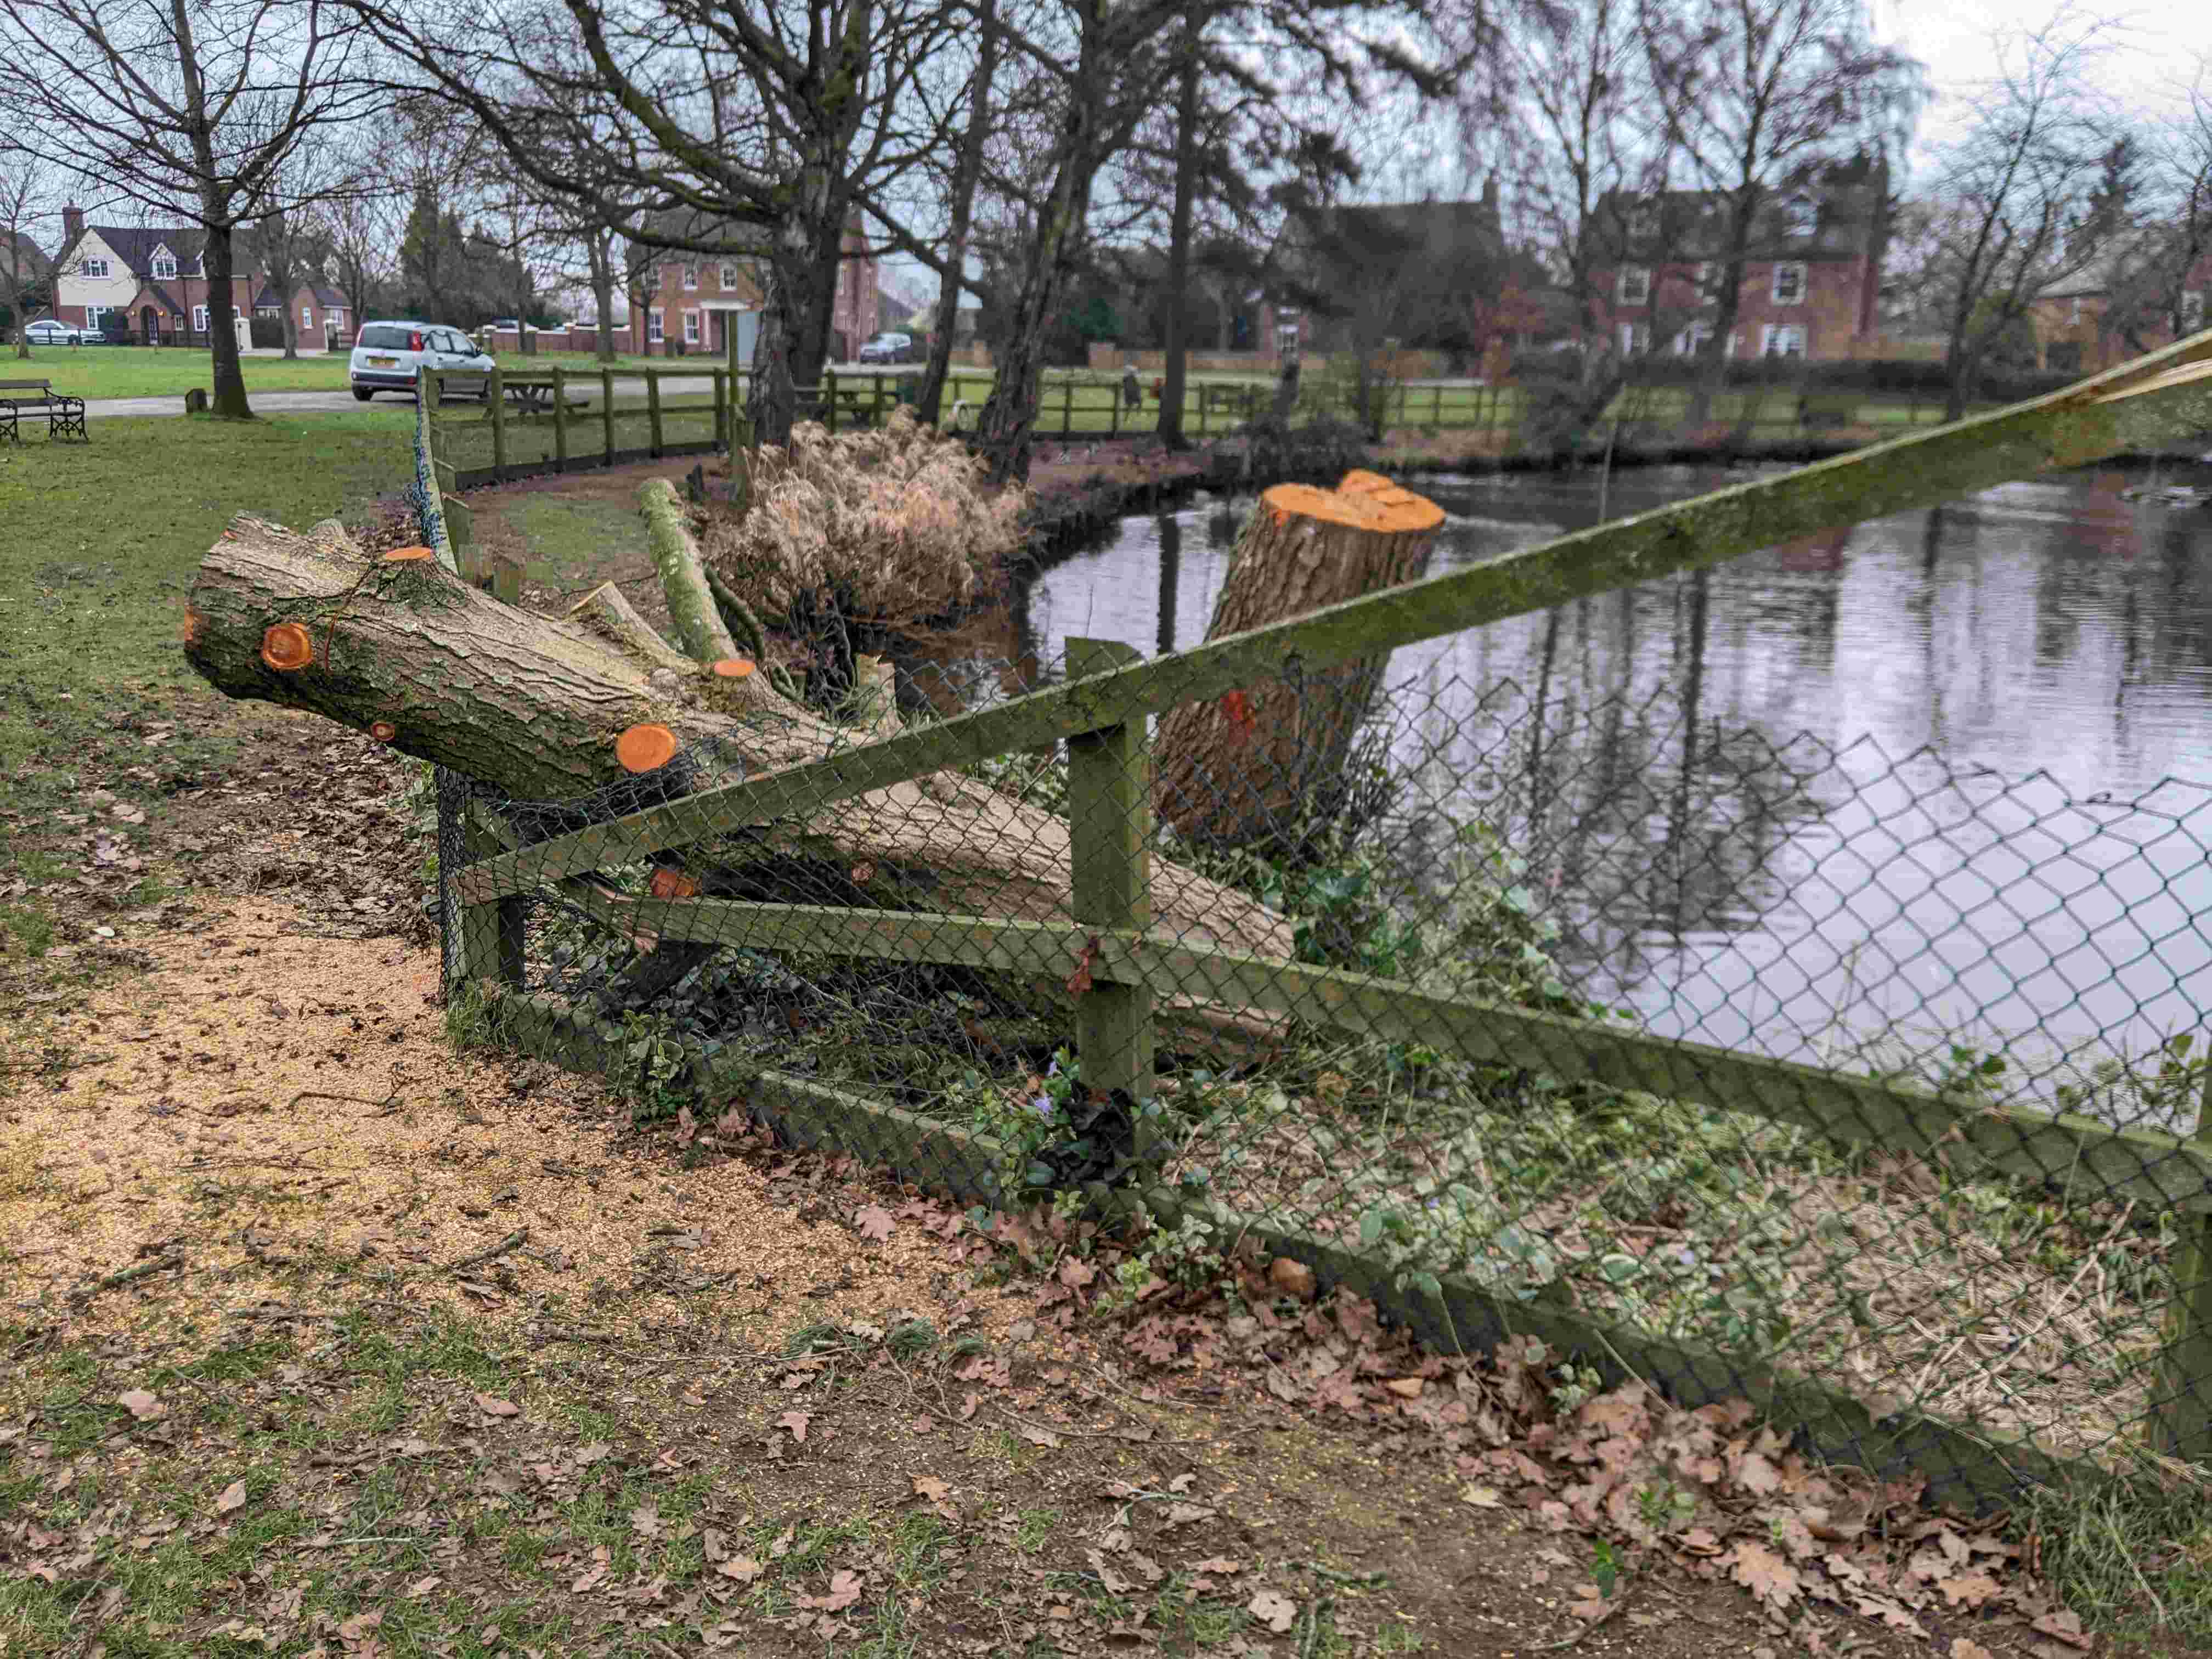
x,y
1247,768
551,711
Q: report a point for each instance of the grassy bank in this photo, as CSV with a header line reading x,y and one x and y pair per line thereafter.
x,y
104,537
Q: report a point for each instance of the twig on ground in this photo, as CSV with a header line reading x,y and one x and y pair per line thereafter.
x,y
1610,1608
520,1235
352,1100
143,1270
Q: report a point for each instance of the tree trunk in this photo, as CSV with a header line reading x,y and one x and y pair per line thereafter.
x,y
1249,767
965,177
1185,188
228,396
601,251
540,709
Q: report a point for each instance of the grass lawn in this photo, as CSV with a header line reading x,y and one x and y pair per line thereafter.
x,y
103,539
161,371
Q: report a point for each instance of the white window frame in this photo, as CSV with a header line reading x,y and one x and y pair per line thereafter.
x,y
1804,281
1635,339
93,269
306,316
1642,286
728,276
654,329
690,328
199,319
690,279
1779,334
1691,339
165,266
1800,216
2192,310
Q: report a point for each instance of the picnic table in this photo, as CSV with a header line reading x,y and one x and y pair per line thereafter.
x,y
65,414
537,396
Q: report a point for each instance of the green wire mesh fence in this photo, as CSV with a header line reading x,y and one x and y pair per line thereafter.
x,y
1467,997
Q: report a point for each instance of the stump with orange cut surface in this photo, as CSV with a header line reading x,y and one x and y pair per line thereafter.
x,y
1247,768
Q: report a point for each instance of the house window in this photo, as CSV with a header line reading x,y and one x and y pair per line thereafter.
x,y
94,268
1705,279
165,266
691,328
728,275
1789,285
2063,357
2193,311
2073,313
653,326
1633,286
1800,216
95,318
690,276
1693,339
1782,340
306,316
1635,339
199,319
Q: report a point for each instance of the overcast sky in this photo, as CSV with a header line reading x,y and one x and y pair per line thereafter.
x,y
2156,47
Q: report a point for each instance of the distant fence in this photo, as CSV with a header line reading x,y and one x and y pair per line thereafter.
x,y
1345,1036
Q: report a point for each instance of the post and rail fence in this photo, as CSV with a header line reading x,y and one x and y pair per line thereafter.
x,y
1995,1286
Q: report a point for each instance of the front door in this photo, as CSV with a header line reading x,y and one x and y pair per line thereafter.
x,y
150,321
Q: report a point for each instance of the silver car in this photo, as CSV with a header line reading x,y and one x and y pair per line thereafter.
x,y
49,330
387,356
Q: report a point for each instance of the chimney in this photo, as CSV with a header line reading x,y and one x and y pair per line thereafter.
x,y
72,224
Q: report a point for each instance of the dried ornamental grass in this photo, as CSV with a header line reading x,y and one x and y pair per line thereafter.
x,y
895,526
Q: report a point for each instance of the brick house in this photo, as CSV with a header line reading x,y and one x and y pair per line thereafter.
x,y
154,279
1438,275
2073,334
1812,286
695,300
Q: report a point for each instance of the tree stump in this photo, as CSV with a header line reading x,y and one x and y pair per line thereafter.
x,y
195,401
1248,768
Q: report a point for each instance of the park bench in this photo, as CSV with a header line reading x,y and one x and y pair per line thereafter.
x,y
65,414
1830,410
535,397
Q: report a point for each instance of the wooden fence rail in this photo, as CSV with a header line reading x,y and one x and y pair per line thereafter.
x,y
1103,710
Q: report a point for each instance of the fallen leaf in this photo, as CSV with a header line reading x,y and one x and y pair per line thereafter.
x,y
1291,1278
1221,1565
743,1568
1406,1387
142,1405
874,1222
1181,1515
1037,1437
423,1587
796,1422
2065,1626
493,1406
1483,1498
1276,1611
1968,1590
844,1590
1764,1573
1965,1648
233,1498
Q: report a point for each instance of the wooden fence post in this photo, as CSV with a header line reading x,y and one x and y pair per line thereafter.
x,y
560,421
493,935
830,399
721,414
607,412
653,409
1110,816
496,403
2184,1418
1067,406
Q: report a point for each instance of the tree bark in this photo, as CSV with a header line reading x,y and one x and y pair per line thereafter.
x,y
966,173
1179,217
1247,768
535,707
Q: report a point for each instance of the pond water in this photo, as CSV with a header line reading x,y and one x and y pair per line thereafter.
x,y
1934,778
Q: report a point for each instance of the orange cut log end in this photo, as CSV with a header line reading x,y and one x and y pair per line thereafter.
x,y
734,668
191,631
409,555
673,884
383,731
645,748
1359,504
287,647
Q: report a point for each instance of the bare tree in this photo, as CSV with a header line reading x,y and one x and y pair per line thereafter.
x,y
2014,207
26,203
2161,269
1754,96
285,244
198,106
361,233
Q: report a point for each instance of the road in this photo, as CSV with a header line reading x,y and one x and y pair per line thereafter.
x,y
324,403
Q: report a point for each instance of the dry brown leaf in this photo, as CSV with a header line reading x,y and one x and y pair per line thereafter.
x,y
493,1406
796,1423
874,1222
743,1568
1291,1278
142,1405
1274,1610
1406,1387
844,1591
2065,1625
1764,1573
1968,1590
233,1496
1965,1648
1483,1498
1036,1435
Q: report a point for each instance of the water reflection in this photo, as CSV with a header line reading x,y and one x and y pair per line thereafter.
x,y
1879,787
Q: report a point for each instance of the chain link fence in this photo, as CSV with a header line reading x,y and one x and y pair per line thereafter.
x,y
1855,1085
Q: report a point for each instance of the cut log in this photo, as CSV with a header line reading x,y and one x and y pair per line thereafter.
x,y
535,707
1246,769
